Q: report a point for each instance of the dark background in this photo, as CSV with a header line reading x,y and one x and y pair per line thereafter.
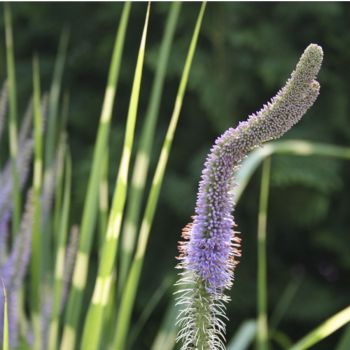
x,y
245,53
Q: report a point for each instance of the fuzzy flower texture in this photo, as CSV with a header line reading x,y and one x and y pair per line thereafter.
x,y
210,247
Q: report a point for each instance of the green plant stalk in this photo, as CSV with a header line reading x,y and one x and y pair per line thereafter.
x,y
54,96
262,324
37,241
285,301
59,171
103,198
281,339
95,316
5,330
152,303
166,335
75,297
296,147
324,330
143,154
109,316
128,295
60,257
51,140
59,186
11,73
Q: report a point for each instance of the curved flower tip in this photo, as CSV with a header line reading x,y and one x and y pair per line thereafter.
x,y
210,247
311,60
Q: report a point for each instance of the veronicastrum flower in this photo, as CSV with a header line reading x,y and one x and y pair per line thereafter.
x,y
208,253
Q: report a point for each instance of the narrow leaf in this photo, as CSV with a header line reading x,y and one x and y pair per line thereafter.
x,y
94,319
324,330
129,293
75,298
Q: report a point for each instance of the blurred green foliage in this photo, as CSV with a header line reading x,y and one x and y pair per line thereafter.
x,y
245,53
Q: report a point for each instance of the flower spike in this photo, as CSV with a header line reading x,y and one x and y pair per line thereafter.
x,y
211,245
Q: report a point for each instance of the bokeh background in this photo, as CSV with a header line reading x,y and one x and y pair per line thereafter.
x,y
245,53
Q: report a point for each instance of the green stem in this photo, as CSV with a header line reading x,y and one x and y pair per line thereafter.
x,y
5,330
60,257
262,325
11,73
37,267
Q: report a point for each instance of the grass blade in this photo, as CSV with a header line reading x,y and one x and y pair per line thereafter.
x,y
152,302
324,330
54,99
129,293
165,339
94,319
143,154
297,147
60,257
52,132
3,106
60,173
11,81
281,339
262,325
285,301
37,242
244,336
5,330
90,205
103,198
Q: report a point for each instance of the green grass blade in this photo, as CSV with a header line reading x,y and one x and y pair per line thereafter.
x,y
54,100
52,132
344,343
281,339
60,258
324,330
129,293
37,240
90,205
103,198
93,325
166,337
3,106
296,147
285,301
262,324
5,330
60,173
143,154
152,302
11,81
59,190
244,336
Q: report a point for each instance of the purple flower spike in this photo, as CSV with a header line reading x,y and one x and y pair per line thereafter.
x,y
208,253
13,271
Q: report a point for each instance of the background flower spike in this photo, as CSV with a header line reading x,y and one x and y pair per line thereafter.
x,y
210,247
